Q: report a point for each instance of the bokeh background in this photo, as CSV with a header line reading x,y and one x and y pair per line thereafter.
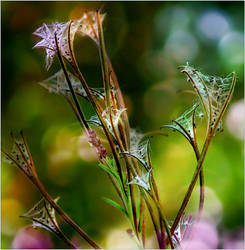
x,y
146,41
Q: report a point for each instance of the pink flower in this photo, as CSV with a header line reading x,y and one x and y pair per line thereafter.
x,y
202,235
194,244
30,238
234,239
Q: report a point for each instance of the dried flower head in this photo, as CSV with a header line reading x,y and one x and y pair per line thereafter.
x,y
139,147
21,157
142,181
113,118
212,90
65,33
42,215
57,84
185,124
47,33
88,25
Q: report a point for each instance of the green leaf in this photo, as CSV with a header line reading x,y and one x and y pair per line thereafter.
x,y
116,205
111,170
108,170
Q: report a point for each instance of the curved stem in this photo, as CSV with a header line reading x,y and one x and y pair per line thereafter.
x,y
192,184
210,134
201,175
201,180
70,87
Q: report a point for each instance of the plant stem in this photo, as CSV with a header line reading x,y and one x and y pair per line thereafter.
x,y
119,98
142,215
155,194
103,61
192,184
70,87
201,175
95,106
107,87
210,134
152,218
74,110
63,214
201,180
202,192
163,218
58,232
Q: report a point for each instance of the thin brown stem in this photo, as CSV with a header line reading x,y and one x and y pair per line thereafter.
x,y
79,110
95,106
201,175
153,219
164,220
64,215
60,234
202,194
209,137
119,98
74,109
98,111
155,190
142,223
192,184
103,61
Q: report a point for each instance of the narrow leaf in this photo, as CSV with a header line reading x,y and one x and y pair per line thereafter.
x,y
116,205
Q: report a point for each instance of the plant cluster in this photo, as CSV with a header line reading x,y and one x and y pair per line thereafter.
x,y
127,162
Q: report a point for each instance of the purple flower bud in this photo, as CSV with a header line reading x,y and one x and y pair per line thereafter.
x,y
30,238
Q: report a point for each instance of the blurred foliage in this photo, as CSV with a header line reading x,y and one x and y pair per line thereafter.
x,y
146,42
